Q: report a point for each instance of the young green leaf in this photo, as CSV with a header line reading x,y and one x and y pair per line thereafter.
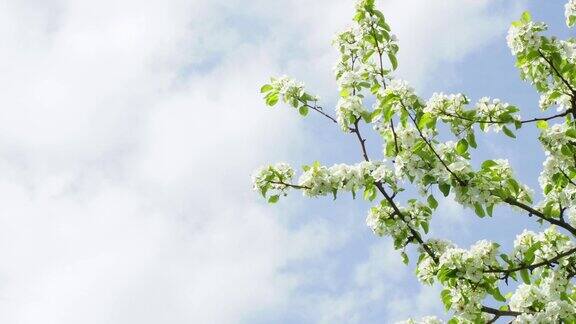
x,y
432,202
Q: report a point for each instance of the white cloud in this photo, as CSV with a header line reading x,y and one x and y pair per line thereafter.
x,y
433,35
382,290
128,132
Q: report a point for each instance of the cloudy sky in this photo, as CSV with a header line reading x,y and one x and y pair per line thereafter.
x,y
129,131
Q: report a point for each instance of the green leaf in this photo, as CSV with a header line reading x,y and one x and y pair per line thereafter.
x,y
265,88
424,120
404,257
445,188
517,23
471,139
432,202
370,193
497,294
393,61
479,210
525,276
273,199
488,164
508,132
446,298
506,259
542,124
425,227
303,110
525,17
513,185
490,210
271,99
529,255
462,147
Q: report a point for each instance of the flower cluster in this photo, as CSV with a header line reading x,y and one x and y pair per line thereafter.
x,y
494,114
427,268
318,180
570,13
540,59
559,171
531,247
524,35
385,221
542,263
553,97
556,181
492,184
272,180
556,311
397,96
558,139
290,92
545,300
462,272
359,46
447,107
348,110
416,162
351,72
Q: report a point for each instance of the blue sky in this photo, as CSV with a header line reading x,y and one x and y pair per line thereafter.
x,y
129,131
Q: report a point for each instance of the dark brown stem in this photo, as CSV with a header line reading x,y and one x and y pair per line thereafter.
x,y
567,177
356,130
413,232
460,181
533,266
481,121
380,52
391,201
319,110
557,72
395,137
289,185
499,313
539,214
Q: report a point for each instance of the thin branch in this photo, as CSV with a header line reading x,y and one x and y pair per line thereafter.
x,y
356,130
460,181
320,110
533,266
483,121
289,185
395,137
567,177
391,201
541,215
557,72
380,52
500,313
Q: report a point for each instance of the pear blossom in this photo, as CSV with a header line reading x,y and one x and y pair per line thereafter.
x,y
428,152
570,13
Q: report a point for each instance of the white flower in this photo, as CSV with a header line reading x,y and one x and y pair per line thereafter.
x,y
524,296
524,37
348,110
570,13
446,105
